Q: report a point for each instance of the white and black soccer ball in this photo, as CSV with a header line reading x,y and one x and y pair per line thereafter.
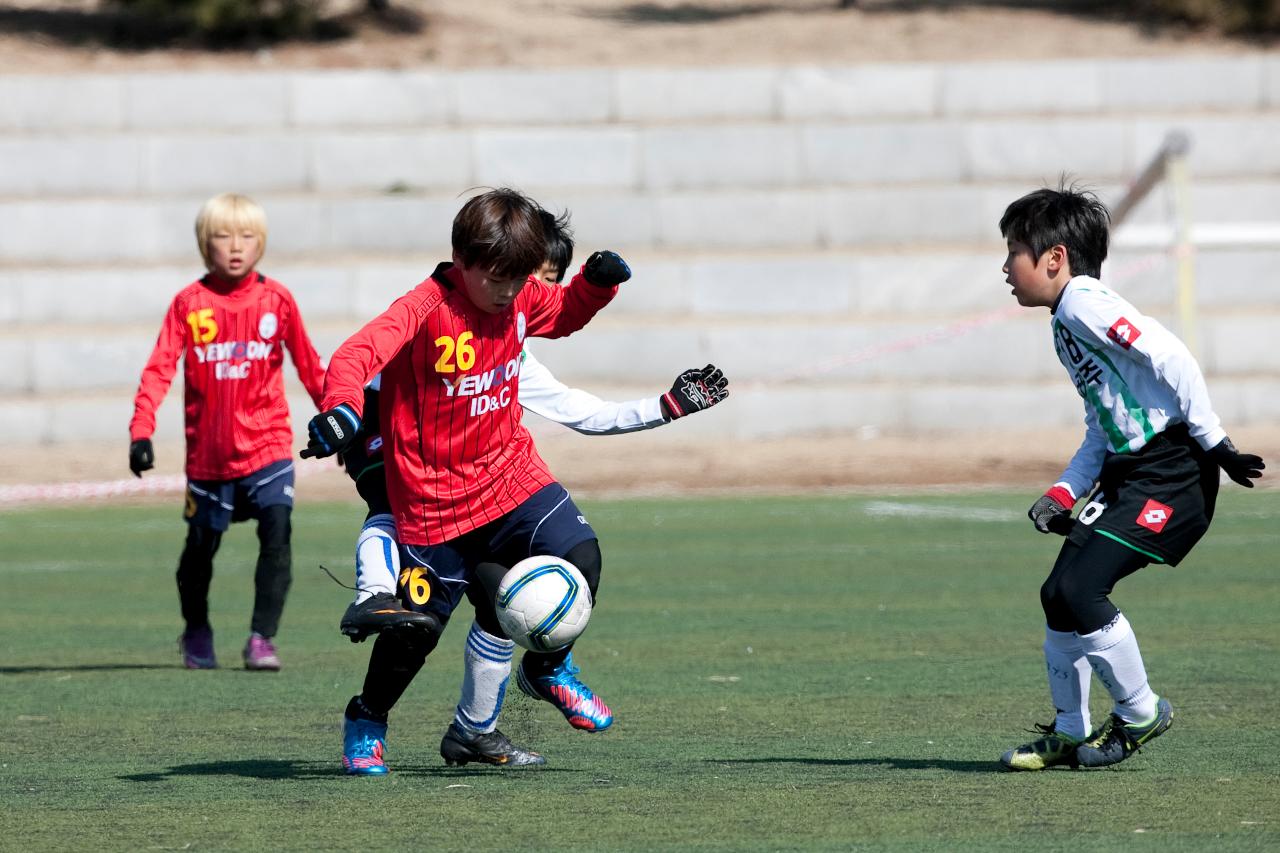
x,y
543,603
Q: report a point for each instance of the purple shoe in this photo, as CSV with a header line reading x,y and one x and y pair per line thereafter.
x,y
196,647
260,654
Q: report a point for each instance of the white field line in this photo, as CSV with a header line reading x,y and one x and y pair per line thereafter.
x,y
883,509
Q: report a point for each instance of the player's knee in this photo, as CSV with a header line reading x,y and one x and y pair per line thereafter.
x,y
275,528
202,542
421,639
1057,610
586,556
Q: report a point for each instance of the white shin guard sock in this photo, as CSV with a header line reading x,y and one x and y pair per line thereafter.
x,y
1113,653
484,683
377,558
1069,677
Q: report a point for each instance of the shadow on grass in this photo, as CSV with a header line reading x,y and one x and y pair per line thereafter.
x,y
87,667
891,763
290,769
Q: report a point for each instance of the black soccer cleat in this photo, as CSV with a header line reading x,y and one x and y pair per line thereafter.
x,y
382,612
1117,740
460,747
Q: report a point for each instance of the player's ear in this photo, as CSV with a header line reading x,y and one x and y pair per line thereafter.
x,y
1056,258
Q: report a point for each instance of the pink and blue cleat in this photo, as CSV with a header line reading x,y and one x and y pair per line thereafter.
x,y
363,743
561,687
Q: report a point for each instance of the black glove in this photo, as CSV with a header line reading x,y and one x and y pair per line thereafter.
x,y
695,390
606,269
141,456
1244,468
330,432
1050,515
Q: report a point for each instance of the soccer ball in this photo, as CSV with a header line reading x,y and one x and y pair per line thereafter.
x,y
543,603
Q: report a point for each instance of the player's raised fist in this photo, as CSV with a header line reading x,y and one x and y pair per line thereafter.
x,y
331,432
1052,513
141,456
606,269
695,390
1244,468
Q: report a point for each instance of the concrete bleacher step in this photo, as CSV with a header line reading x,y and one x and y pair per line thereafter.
x,y
920,283
637,158
149,230
318,99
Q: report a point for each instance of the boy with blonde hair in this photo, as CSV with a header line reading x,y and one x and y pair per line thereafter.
x,y
229,327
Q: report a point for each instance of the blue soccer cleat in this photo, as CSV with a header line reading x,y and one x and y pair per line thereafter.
x,y
561,687
363,743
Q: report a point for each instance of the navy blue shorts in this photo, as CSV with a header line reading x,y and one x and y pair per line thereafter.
x,y
217,503
434,578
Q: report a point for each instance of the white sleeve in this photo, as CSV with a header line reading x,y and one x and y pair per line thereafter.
x,y
1121,331
548,397
1086,464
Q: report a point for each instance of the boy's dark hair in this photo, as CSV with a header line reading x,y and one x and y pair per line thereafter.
x,y
500,231
1068,216
559,242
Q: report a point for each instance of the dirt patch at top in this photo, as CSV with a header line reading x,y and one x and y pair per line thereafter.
x,y
83,35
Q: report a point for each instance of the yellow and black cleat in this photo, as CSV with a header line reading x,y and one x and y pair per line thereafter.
x,y
1051,750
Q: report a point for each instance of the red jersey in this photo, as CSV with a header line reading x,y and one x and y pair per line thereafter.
x,y
230,338
457,455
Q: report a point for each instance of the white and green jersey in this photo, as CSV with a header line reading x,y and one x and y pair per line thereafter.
x,y
1135,376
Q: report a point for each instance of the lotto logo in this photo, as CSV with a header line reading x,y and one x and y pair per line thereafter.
x,y
1124,333
1155,516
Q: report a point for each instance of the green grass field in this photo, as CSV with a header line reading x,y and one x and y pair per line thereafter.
x,y
828,673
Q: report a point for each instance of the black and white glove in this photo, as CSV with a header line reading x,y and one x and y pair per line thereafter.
x,y
693,391
142,457
331,432
1244,468
606,269
1052,513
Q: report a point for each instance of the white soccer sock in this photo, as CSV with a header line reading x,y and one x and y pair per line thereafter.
x,y
1069,676
1113,654
484,683
377,558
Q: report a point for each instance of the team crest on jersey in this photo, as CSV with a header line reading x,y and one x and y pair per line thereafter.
x,y
1154,516
267,326
1124,333
520,326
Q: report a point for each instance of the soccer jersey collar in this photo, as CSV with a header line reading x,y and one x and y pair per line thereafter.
x,y
222,287
1053,309
446,276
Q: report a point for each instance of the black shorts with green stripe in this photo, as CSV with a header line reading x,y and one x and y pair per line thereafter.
x,y
1158,500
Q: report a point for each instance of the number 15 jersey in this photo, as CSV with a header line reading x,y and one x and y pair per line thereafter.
x,y
457,454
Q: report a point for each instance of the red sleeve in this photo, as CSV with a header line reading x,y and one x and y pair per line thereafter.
x,y
554,312
364,354
305,357
158,374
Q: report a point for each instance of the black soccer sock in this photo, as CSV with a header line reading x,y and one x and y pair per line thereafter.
x,y
542,663
195,571
274,572
358,710
396,659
